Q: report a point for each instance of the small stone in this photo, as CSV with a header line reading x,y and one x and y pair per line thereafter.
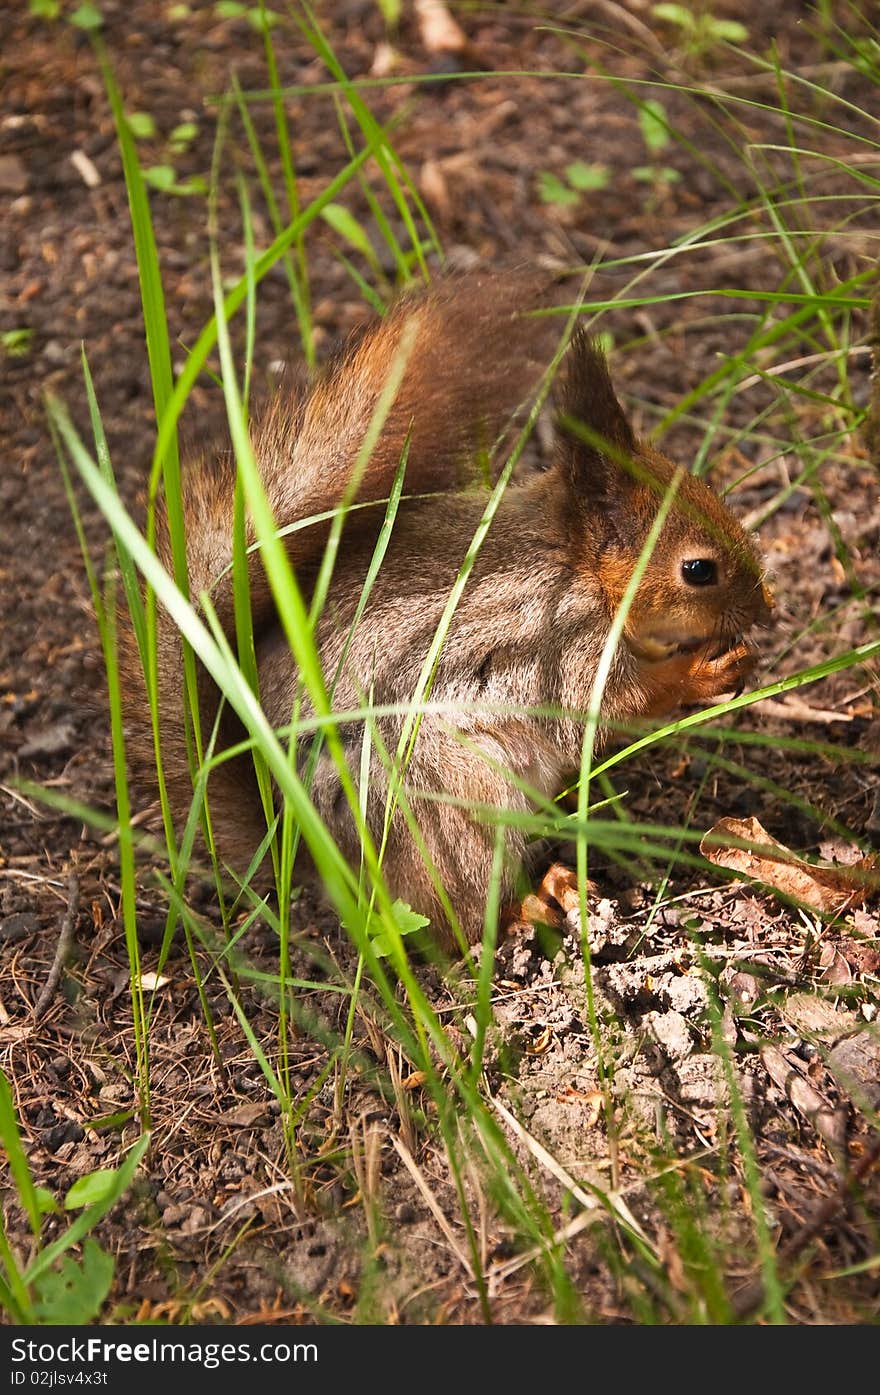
x,y
13,175
671,1033
689,996
701,1081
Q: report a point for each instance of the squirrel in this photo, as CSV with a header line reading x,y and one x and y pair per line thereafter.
x,y
532,619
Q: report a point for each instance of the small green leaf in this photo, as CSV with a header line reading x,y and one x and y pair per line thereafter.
x,y
390,11
229,9
45,9
655,127
408,922
74,1293
161,176
110,1121
675,14
669,175
729,30
87,17
261,20
644,173
175,12
195,185
94,1187
584,177
141,125
552,190
343,222
46,1201
184,133
16,342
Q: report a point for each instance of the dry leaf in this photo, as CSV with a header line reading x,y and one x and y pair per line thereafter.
x,y
150,982
245,1116
835,968
862,958
786,1071
541,1043
832,889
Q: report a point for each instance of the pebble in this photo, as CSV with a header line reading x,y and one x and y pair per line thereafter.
x,y
13,175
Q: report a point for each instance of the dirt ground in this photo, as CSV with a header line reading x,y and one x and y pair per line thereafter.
x,y
216,1228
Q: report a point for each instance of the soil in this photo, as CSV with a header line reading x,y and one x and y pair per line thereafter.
x,y
221,1225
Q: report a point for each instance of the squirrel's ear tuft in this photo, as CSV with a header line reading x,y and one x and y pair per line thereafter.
x,y
594,437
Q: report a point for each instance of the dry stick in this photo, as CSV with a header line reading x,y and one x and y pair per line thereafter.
x,y
752,1296
65,939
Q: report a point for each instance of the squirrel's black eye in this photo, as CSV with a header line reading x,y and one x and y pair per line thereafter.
x,y
700,571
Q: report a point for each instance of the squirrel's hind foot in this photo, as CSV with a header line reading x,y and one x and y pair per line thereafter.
x,y
556,895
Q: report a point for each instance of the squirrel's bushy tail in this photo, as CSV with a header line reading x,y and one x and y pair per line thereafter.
x,y
470,355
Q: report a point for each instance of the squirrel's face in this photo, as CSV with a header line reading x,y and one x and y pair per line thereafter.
x,y
702,587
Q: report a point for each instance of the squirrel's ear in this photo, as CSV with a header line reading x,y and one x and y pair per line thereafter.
x,y
594,438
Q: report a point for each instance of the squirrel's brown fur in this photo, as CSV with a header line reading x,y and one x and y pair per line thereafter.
x,y
531,623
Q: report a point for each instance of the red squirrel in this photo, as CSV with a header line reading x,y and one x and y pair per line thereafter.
x,y
532,620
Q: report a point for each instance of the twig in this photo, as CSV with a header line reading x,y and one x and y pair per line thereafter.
x,y
65,940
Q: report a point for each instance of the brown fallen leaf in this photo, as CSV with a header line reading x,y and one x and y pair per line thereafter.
x,y
246,1115
786,1071
834,966
861,958
744,846
541,1043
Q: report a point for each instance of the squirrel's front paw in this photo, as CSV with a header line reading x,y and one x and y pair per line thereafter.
x,y
695,678
712,678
